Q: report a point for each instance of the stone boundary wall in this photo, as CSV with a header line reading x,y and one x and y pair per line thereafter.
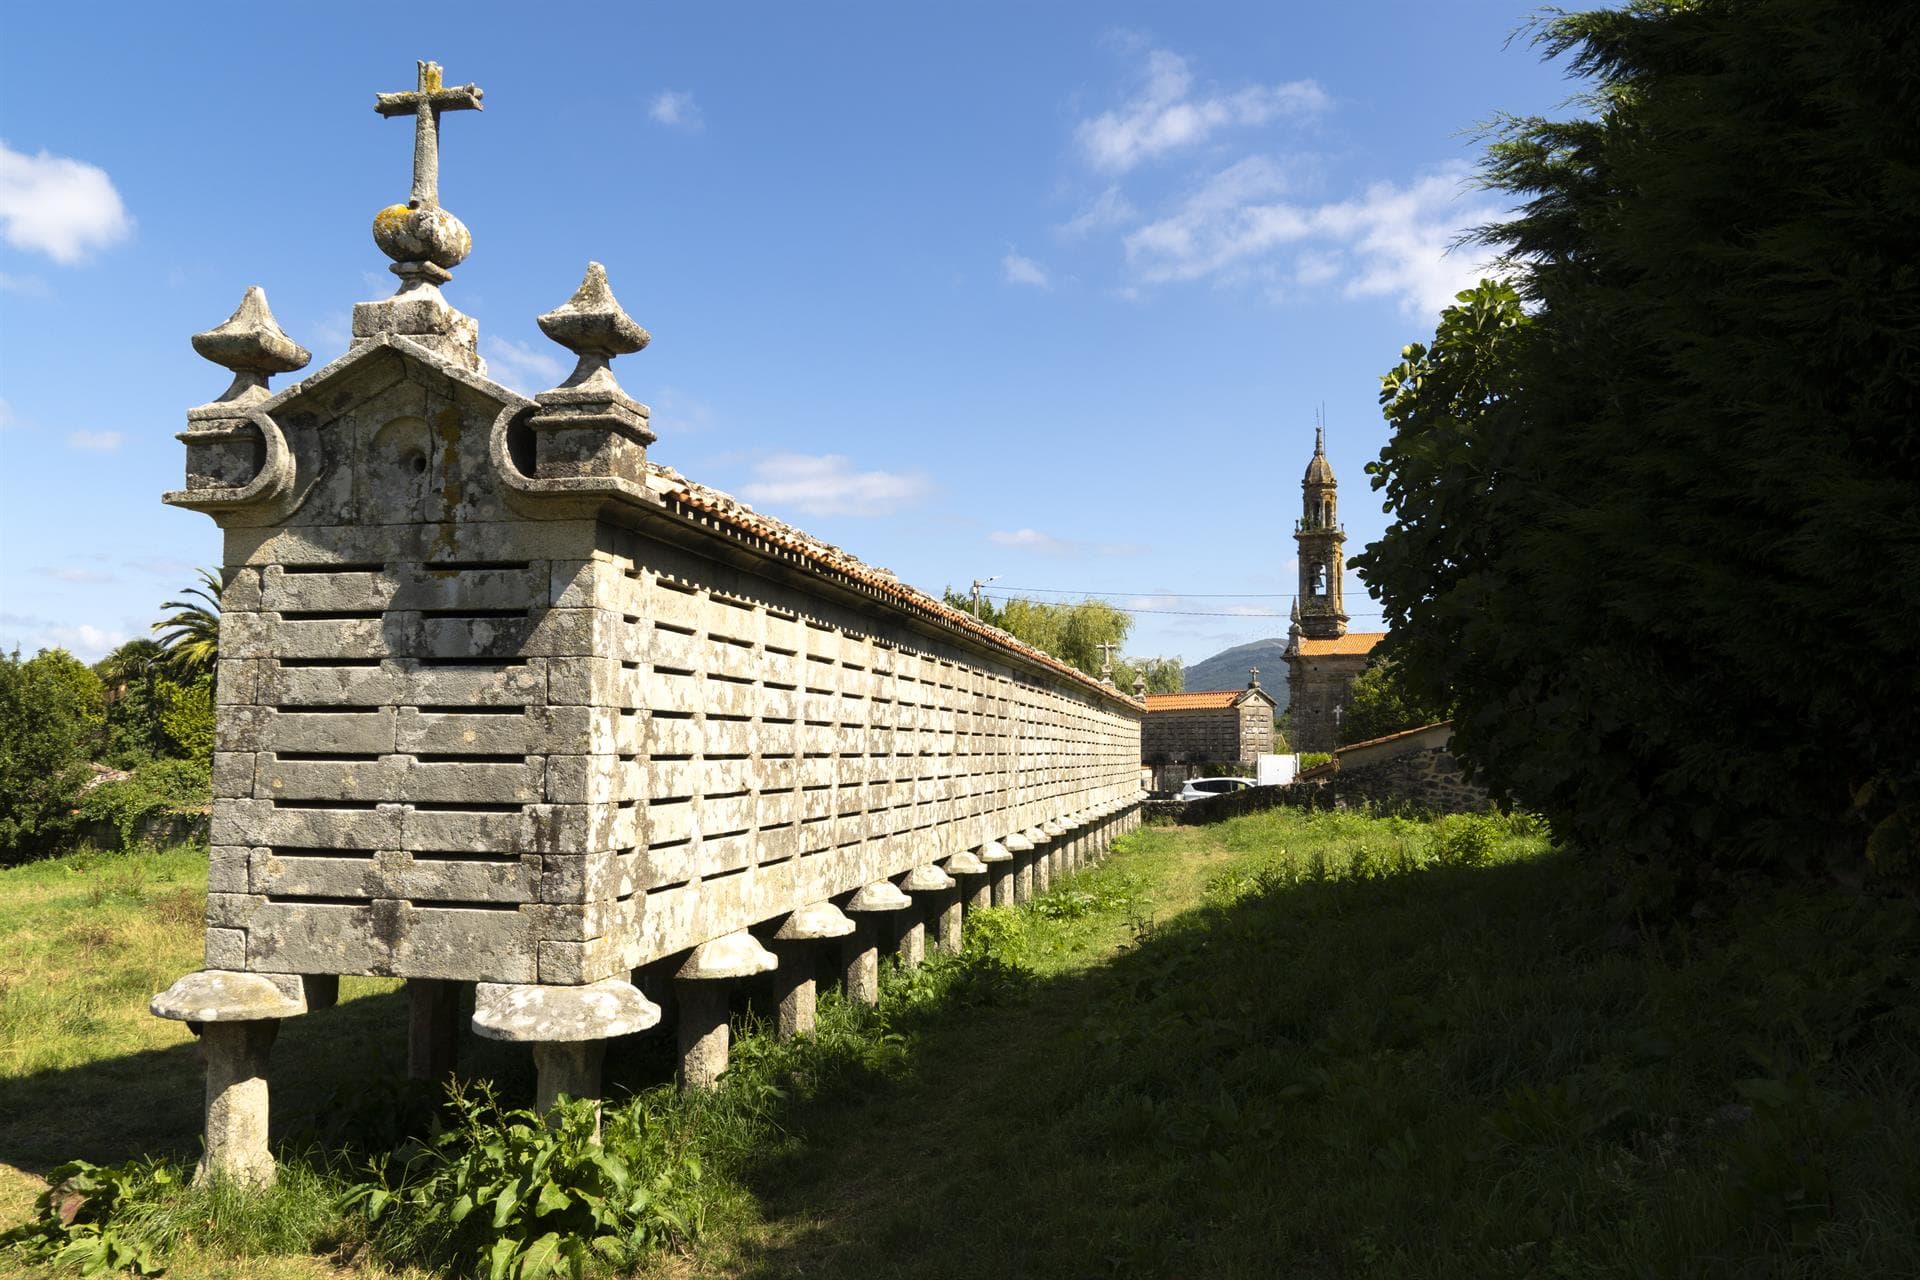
x,y
1420,782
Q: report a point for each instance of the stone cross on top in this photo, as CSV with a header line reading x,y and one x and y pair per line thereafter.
x,y
425,104
424,240
1107,649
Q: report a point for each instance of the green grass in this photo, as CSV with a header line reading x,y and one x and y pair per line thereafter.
x,y
1286,1045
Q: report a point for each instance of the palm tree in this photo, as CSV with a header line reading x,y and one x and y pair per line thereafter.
x,y
128,665
191,638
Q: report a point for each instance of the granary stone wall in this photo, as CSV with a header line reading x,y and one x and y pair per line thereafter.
x,y
1198,735
502,701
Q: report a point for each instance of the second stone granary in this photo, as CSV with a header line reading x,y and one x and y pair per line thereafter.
x,y
502,701
1221,726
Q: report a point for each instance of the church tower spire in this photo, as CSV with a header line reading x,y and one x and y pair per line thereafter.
x,y
1321,540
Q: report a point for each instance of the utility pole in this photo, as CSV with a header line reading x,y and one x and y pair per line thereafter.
x,y
977,584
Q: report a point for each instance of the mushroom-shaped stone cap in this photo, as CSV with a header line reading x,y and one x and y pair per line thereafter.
x,y
737,955
810,923
1052,830
592,322
994,851
1035,835
1019,842
251,340
529,1012
927,879
965,863
227,995
881,895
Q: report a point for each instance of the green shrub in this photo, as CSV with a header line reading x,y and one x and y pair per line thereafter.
x,y
514,1193
186,716
156,787
51,709
82,1219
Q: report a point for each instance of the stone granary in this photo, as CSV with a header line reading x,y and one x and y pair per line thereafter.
x,y
1224,726
503,702
1323,657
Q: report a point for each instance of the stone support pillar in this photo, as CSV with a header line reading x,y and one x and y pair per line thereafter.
x,y
700,987
567,1027
1020,845
1000,872
860,952
237,1102
793,982
237,1015
930,887
963,866
1057,868
1032,878
433,1028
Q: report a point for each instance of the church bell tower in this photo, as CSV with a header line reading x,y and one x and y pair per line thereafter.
x,y
1320,608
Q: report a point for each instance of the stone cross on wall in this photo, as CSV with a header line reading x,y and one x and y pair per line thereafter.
x,y
425,104
1107,649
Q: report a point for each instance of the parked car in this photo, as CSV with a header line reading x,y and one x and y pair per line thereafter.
x,y
1202,788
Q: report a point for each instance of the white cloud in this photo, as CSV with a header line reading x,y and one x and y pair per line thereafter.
x,y
1046,544
96,441
526,369
1391,242
76,573
84,641
1165,115
60,207
827,485
676,109
1108,209
1015,269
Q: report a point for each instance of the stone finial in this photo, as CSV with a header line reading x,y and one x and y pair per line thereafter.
x,y
1139,686
1253,677
588,426
251,345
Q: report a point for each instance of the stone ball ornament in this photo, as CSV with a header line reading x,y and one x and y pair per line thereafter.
x,y
412,233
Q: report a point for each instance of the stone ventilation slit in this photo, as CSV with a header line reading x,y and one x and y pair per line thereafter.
x,y
315,900
329,615
466,855
466,806
302,570
296,853
321,664
359,806
453,905
329,757
476,566
466,613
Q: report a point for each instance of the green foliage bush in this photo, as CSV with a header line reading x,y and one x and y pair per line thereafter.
x,y
157,787
186,716
51,710
82,1218
506,1193
1382,704
1654,508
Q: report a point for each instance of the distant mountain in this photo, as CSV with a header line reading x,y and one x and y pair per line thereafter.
x,y
1228,669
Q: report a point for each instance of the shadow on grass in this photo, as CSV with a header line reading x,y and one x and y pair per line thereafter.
x,y
1445,1072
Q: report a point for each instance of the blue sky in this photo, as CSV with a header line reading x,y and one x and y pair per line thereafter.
x,y
1044,291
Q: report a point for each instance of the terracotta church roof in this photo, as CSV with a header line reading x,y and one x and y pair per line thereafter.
x,y
1352,644
1203,700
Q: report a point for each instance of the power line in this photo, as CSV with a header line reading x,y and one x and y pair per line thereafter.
x,y
1202,613
1180,595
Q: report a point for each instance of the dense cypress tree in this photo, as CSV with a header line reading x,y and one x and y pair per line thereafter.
x,y
1658,515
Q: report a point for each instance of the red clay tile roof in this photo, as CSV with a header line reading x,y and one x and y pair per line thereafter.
x,y
1193,701
1352,644
702,503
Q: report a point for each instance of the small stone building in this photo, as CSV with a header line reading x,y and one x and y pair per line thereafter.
x,y
1323,657
1221,726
